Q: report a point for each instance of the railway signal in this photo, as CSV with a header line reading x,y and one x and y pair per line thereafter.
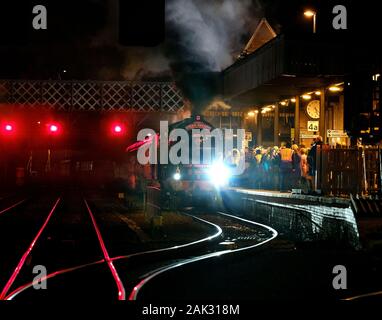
x,y
54,128
118,129
7,128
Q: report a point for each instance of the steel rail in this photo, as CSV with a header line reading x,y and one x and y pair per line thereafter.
x,y
21,289
134,294
12,206
121,289
216,235
363,296
21,263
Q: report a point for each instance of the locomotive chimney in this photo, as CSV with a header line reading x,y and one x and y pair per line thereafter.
x,y
200,88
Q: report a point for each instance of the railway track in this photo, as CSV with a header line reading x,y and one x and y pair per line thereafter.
x,y
239,235
132,272
121,289
10,203
29,248
58,244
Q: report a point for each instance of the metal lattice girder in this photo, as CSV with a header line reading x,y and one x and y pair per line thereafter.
x,y
172,100
4,91
56,95
116,96
146,96
87,96
26,93
92,95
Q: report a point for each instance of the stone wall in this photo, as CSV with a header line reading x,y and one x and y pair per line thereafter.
x,y
296,219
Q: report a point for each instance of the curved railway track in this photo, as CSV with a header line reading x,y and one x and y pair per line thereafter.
x,y
242,234
133,272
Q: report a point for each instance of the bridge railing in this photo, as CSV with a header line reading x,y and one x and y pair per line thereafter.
x,y
92,95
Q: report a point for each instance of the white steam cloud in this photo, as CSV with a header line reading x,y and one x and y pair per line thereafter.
x,y
211,31
210,34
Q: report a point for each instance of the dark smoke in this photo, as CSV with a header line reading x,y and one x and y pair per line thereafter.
x,y
199,88
203,38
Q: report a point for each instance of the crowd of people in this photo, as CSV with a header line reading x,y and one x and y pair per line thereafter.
x,y
280,168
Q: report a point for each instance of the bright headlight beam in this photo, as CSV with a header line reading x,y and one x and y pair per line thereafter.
x,y
177,176
219,174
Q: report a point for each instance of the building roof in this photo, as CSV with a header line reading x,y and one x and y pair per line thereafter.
x,y
263,34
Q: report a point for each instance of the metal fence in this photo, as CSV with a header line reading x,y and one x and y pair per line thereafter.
x,y
348,171
92,95
153,201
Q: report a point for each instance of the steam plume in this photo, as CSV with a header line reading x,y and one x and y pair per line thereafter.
x,y
202,40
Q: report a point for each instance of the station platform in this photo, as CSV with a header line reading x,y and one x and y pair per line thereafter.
x,y
296,216
289,197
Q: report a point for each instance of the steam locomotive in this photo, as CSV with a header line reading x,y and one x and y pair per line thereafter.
x,y
194,183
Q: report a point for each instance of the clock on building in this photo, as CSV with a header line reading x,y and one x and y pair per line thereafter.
x,y
313,109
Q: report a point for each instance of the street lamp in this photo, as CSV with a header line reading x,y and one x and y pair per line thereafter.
x,y
310,14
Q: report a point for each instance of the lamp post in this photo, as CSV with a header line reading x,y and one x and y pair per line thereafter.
x,y
312,14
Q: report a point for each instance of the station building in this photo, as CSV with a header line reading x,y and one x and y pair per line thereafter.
x,y
285,87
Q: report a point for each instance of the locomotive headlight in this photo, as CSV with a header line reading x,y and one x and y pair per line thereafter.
x,y
219,174
177,176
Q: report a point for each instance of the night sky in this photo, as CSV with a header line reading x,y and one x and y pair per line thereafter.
x,y
82,38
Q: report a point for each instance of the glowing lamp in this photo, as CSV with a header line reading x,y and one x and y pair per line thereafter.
x,y
309,13
334,89
117,129
7,128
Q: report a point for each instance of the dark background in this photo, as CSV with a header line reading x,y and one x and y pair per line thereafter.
x,y
74,25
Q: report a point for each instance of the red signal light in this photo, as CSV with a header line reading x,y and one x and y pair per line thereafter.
x,y
7,128
117,129
54,128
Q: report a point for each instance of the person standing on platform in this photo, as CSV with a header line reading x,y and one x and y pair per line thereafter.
x,y
266,164
312,155
296,180
305,181
275,168
286,167
246,177
258,172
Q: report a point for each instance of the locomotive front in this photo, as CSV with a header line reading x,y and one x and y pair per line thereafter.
x,y
197,181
